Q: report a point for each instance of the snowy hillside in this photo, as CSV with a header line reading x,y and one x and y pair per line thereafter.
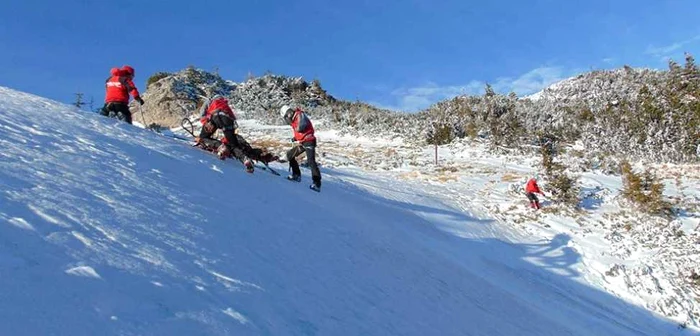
x,y
108,229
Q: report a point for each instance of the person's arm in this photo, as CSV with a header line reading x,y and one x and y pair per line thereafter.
x,y
303,122
203,112
131,88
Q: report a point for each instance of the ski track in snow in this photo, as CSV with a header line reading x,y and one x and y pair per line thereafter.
x,y
113,230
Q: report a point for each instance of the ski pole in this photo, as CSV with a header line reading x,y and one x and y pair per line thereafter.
x,y
143,118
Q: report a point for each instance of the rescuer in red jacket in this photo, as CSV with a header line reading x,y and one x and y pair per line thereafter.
x,y
531,188
118,87
217,114
303,135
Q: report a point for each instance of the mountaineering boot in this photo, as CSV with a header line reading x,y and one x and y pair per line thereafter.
x,y
315,187
295,178
248,165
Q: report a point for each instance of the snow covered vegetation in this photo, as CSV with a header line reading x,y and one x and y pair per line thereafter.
x,y
111,229
634,114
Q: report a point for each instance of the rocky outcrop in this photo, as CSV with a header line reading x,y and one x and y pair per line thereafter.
x,y
173,97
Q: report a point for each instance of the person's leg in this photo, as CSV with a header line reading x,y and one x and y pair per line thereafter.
x,y
234,146
531,197
534,202
291,157
124,110
105,110
311,160
206,142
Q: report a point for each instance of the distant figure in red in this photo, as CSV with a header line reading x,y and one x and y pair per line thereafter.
x,y
531,188
118,87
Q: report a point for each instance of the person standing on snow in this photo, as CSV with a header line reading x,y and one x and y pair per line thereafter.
x,y
531,188
306,142
118,87
217,114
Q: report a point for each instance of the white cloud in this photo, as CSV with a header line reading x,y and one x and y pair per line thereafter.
x,y
665,52
417,98
531,82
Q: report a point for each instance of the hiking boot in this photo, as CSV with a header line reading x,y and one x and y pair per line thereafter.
x,y
248,165
315,187
295,178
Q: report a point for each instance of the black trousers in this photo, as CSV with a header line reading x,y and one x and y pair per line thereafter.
x,y
532,197
310,149
114,110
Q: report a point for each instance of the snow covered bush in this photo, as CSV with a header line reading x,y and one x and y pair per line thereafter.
x,y
564,187
156,77
440,135
644,189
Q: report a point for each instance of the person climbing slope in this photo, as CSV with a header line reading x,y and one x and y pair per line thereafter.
x,y
531,188
305,140
118,87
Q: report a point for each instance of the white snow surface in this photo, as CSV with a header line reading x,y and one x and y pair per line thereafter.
x,y
109,229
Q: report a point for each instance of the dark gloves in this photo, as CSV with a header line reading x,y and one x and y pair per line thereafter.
x,y
139,99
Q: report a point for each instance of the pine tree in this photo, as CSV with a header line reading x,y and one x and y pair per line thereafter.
x,y
79,103
489,91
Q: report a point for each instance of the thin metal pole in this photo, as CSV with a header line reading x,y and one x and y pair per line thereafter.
x,y
143,118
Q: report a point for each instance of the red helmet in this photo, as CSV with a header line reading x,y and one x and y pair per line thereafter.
x,y
114,71
128,70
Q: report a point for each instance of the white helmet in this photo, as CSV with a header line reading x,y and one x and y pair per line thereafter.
x,y
283,110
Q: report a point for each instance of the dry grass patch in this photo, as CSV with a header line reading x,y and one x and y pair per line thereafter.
x,y
272,145
508,177
446,169
446,177
410,175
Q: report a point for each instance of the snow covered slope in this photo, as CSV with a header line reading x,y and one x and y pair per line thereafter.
x,y
108,229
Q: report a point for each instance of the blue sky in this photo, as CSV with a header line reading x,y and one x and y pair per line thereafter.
x,y
402,54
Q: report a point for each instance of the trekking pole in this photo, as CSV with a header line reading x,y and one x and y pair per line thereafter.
x,y
143,118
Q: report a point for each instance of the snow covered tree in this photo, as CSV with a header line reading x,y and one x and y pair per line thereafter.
x,y
644,189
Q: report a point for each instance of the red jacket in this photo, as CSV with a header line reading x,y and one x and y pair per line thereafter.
x,y
532,187
118,88
218,103
302,127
